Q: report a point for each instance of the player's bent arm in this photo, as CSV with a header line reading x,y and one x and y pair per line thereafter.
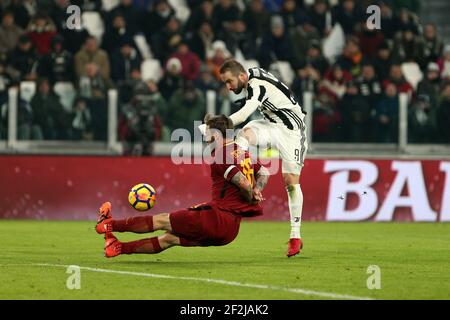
x,y
244,186
262,178
250,106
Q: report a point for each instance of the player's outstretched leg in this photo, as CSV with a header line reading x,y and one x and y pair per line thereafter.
x,y
140,224
295,199
113,247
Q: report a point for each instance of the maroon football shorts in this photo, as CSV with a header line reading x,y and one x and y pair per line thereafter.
x,y
204,226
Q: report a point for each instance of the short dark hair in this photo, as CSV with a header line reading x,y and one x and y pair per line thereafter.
x,y
233,66
220,122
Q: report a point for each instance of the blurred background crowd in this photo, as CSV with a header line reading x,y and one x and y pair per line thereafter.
x,y
355,90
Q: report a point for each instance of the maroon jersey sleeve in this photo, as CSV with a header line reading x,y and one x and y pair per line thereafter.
x,y
227,171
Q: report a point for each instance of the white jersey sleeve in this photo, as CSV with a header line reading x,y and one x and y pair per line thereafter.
x,y
254,100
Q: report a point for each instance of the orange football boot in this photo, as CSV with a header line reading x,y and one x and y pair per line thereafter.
x,y
104,218
113,246
294,247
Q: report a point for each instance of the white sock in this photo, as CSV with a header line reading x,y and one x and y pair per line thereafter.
x,y
295,197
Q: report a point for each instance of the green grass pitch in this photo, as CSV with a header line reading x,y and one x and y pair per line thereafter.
x,y
414,260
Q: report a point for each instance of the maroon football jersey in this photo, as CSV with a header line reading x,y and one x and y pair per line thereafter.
x,y
229,160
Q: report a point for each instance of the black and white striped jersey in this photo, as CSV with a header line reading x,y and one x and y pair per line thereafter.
x,y
274,100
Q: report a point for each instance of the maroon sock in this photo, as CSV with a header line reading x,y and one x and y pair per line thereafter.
x,y
150,245
134,224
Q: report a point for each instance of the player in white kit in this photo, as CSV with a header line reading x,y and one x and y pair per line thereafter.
x,y
283,128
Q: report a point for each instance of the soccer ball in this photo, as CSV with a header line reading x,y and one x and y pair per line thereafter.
x,y
142,197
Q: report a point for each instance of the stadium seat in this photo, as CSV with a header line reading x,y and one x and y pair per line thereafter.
x,y
143,47
67,93
412,73
182,11
108,5
27,90
151,70
93,23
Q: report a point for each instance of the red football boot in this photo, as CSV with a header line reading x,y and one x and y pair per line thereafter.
x,y
294,247
104,219
113,246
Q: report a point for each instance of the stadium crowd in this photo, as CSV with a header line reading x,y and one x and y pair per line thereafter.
x,y
356,94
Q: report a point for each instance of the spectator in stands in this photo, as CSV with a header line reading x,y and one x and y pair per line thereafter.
x,y
276,45
9,33
190,63
207,81
422,120
444,63
94,89
48,112
443,115
321,17
41,31
186,106
94,85
23,61
74,39
239,38
370,40
172,79
57,66
309,71
430,85
352,58
292,15
409,47
348,15
157,18
410,5
81,121
386,116
202,40
407,21
433,44
356,113
117,34
141,121
303,36
21,14
383,61
388,20
90,53
123,61
334,84
201,14
369,86
133,17
396,78
165,41
257,18
217,57
326,119
224,12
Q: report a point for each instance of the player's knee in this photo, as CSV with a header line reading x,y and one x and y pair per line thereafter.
x,y
168,240
161,221
291,180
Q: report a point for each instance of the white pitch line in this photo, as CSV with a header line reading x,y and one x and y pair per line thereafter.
x,y
218,281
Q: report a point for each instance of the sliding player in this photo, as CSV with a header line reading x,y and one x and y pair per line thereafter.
x,y
235,194
283,127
